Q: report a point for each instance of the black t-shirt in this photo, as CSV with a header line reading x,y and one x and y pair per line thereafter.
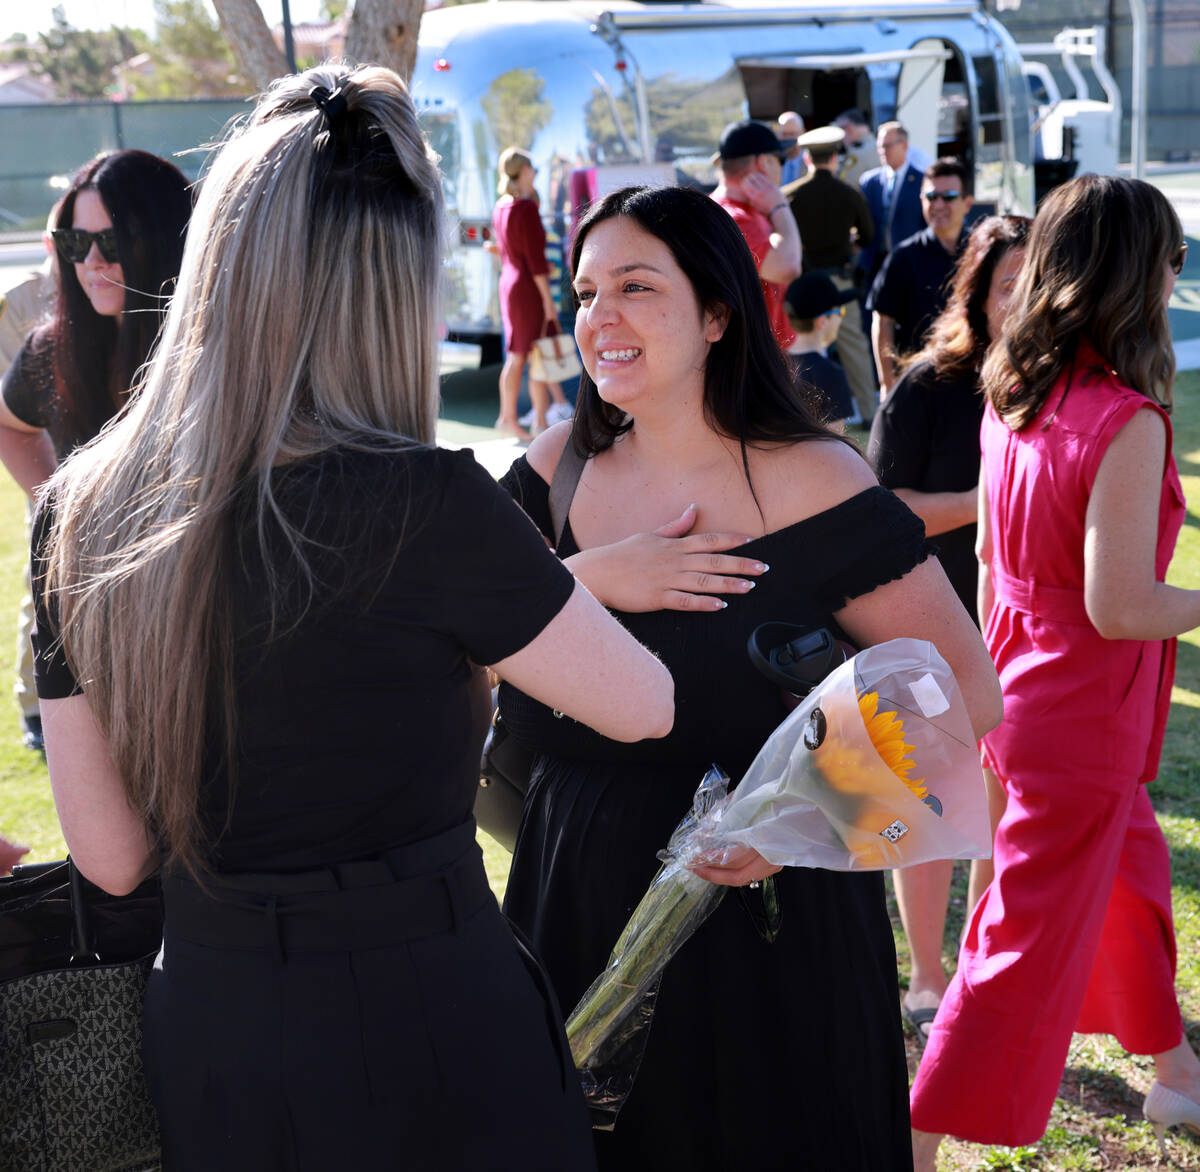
x,y
829,378
913,285
360,722
925,436
28,389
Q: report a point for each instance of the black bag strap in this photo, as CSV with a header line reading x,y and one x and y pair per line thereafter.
x,y
83,942
563,485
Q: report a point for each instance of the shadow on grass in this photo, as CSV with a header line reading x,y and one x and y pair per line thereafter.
x,y
1099,1092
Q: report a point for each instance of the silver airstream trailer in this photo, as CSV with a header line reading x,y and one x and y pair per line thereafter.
x,y
604,94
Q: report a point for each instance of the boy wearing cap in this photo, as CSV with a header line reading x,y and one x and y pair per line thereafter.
x,y
749,163
834,221
815,307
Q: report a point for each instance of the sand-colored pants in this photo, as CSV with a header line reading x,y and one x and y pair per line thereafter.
x,y
854,353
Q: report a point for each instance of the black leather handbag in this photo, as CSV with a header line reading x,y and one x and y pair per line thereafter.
x,y
505,765
73,968
503,781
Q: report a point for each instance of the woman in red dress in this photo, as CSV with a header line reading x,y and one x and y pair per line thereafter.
x,y
1079,507
525,301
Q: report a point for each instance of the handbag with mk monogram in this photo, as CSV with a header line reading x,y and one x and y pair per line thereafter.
x,y
73,968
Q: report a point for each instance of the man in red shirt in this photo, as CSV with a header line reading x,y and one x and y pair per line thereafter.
x,y
749,163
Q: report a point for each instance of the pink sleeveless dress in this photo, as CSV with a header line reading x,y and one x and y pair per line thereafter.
x,y
1075,932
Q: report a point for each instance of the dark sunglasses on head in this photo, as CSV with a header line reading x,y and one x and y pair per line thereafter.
x,y
74,244
944,196
1178,259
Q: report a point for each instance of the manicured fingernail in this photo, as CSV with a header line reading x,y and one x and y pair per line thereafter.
x,y
721,604
761,567
747,584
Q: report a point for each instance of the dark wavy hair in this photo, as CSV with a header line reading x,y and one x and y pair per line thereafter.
x,y
958,340
95,359
1096,270
750,393
951,167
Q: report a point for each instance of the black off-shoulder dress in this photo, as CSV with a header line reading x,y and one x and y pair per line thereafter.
x,y
782,1055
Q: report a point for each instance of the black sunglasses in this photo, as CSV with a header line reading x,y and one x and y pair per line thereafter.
x,y
944,196
74,244
1178,259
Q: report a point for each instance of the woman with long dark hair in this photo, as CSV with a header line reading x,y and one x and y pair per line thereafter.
x,y
119,238
272,593
1080,505
925,447
704,466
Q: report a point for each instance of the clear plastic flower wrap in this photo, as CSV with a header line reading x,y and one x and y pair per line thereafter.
x,y
876,768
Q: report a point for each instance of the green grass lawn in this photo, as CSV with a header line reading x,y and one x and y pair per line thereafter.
x,y
1097,1119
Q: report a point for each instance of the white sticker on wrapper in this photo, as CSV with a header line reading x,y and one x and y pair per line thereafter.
x,y
929,697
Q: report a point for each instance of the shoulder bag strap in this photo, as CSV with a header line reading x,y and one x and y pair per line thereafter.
x,y
83,943
563,485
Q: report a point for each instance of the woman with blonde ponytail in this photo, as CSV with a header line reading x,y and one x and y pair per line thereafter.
x,y
262,599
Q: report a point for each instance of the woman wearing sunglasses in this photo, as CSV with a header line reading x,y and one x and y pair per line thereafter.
x,y
117,238
118,242
1080,505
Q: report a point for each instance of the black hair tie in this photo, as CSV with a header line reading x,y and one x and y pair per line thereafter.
x,y
332,105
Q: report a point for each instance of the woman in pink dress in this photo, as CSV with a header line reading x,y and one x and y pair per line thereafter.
x,y
525,301
1080,506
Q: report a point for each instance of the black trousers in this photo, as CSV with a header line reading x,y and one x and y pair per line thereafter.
x,y
374,1015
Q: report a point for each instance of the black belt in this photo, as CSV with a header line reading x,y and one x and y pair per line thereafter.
x,y
427,888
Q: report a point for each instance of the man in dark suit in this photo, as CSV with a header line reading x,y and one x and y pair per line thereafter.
x,y
893,194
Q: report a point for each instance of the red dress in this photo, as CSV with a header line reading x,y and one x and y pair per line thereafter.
x,y
1075,932
517,225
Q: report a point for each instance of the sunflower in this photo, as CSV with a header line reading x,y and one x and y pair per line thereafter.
x,y
886,730
847,768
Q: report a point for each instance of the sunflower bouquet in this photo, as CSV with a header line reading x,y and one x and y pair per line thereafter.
x,y
876,768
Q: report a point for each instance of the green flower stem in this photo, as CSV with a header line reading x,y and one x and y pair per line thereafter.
x,y
676,904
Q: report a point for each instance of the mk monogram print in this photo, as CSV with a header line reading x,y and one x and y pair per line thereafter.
x,y
73,1095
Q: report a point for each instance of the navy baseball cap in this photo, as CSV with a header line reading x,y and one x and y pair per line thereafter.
x,y
815,294
740,139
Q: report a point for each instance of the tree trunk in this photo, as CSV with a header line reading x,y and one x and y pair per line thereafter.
x,y
384,32
259,59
